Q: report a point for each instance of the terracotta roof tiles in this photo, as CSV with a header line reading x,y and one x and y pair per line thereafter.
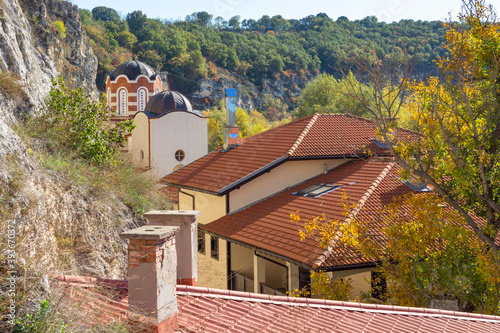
x,y
214,310
318,136
218,169
267,225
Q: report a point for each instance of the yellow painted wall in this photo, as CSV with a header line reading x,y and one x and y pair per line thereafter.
x,y
288,174
212,273
360,279
140,141
242,260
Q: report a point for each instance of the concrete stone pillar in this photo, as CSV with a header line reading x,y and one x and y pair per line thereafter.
x,y
186,240
293,276
152,277
259,273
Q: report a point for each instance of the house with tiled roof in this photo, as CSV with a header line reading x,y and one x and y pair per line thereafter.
x,y
246,240
154,299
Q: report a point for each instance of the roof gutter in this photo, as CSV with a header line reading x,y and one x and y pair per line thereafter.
x,y
329,157
258,249
251,176
190,188
347,267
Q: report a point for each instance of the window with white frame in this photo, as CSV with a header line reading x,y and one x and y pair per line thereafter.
x,y
122,102
108,97
141,99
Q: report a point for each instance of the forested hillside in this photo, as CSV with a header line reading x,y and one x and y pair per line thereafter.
x,y
271,47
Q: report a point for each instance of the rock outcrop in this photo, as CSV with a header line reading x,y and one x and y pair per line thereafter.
x,y
54,217
250,97
72,53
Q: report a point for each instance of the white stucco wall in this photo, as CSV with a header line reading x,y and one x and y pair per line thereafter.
x,y
288,174
174,131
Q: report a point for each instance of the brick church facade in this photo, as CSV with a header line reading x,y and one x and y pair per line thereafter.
x,y
129,88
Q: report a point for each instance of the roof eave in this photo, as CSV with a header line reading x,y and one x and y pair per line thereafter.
x,y
189,188
251,176
347,267
255,248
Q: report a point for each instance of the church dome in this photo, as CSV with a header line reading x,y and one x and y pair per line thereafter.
x,y
132,69
166,102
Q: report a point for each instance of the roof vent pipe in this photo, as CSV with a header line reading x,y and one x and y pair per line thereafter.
x,y
230,131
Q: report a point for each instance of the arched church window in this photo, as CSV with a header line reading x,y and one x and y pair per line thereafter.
x,y
108,97
122,102
141,99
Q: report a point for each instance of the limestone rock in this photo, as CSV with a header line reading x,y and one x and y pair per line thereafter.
x,y
211,91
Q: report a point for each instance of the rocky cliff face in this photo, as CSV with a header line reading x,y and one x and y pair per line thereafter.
x,y
72,55
250,97
54,218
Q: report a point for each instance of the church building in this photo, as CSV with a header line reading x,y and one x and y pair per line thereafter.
x,y
169,133
129,88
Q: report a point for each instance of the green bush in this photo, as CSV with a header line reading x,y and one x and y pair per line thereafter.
x,y
80,125
60,28
80,144
41,321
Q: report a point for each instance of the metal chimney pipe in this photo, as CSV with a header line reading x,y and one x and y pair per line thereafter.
x,y
230,131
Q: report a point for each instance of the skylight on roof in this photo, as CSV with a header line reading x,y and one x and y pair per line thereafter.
x,y
379,143
316,190
416,185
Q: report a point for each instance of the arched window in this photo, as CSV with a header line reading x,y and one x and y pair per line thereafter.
x,y
122,106
142,99
108,97
157,89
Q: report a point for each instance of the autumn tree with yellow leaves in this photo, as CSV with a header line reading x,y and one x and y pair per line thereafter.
x,y
458,115
439,246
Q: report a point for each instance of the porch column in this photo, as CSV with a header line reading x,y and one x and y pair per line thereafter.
x,y
293,276
259,273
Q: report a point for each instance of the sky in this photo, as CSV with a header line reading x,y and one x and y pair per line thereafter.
x,y
384,10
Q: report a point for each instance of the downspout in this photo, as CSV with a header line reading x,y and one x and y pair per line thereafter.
x,y
228,253
189,195
149,141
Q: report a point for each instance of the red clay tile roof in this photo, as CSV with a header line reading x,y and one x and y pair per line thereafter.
x,y
217,169
318,136
171,192
267,225
214,310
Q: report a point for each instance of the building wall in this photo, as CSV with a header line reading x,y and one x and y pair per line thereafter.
x,y
132,87
177,131
140,141
361,279
242,260
212,272
288,174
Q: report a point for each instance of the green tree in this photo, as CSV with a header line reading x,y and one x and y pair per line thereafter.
x,y
325,94
458,115
440,244
425,251
126,39
105,14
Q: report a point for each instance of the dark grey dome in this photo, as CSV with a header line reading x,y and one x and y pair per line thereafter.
x,y
168,101
132,69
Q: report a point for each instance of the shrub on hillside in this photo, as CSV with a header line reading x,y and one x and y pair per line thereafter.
x,y
79,124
